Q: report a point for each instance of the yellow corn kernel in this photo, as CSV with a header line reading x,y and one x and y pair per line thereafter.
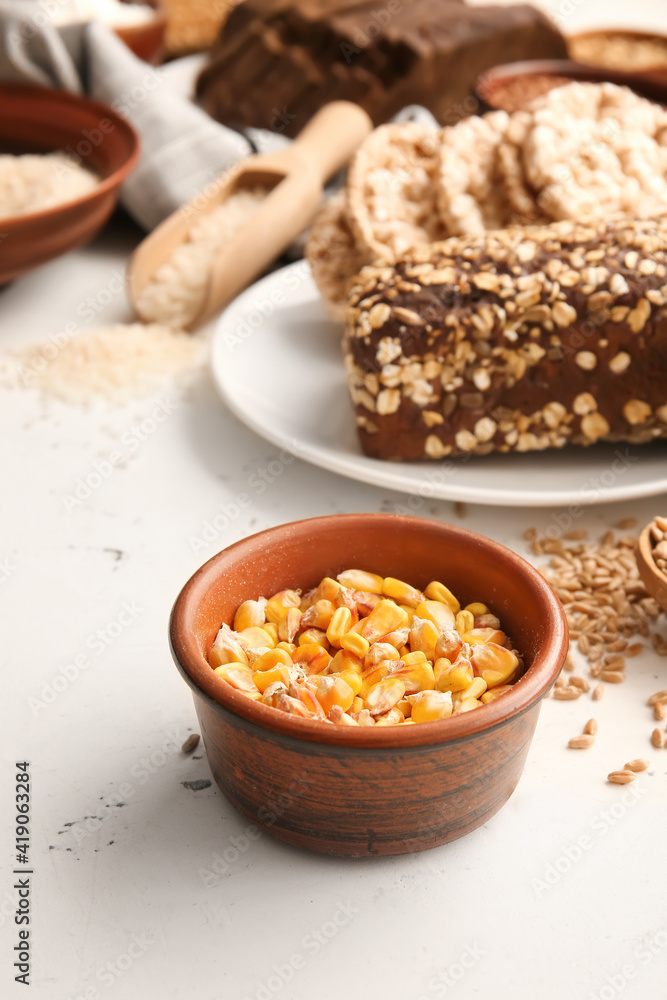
x,y
255,636
466,705
311,657
465,621
404,651
326,590
272,629
495,692
413,658
423,636
386,617
384,695
340,623
319,615
364,717
274,658
226,648
398,638
345,599
249,614
289,647
279,674
308,698
494,663
409,614
405,707
341,718
478,636
290,705
314,635
365,601
289,625
359,579
238,675
476,689
453,677
398,590
431,706
334,691
357,705
352,678
272,693
438,592
254,654
355,643
418,676
307,600
380,651
345,660
449,645
434,611
393,717
277,605
477,608
371,677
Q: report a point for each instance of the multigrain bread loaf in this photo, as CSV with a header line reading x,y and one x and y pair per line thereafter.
x,y
514,340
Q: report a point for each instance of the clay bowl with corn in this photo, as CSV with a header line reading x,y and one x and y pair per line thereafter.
x,y
367,684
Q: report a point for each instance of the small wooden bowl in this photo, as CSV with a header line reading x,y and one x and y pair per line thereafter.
x,y
654,579
493,87
366,791
39,120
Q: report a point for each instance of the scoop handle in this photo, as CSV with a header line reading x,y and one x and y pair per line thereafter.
x,y
330,138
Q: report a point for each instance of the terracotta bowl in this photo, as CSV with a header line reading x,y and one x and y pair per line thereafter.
x,y
39,120
654,579
365,791
581,45
510,86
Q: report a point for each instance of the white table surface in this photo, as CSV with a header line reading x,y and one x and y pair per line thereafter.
x,y
123,904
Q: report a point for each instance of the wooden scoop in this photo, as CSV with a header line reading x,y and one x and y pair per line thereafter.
x,y
293,177
654,579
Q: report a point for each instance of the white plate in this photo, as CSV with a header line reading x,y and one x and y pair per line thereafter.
x,y
277,362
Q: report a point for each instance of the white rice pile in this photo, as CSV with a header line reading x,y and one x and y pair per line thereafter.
x,y
116,363
176,293
33,182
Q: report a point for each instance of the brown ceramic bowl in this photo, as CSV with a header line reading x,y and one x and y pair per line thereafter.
x,y
367,791
618,48
39,120
511,86
654,579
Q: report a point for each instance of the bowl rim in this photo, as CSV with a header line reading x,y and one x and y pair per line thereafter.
x,y
530,688
63,97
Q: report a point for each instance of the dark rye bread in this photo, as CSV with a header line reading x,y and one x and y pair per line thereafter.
x,y
277,62
516,340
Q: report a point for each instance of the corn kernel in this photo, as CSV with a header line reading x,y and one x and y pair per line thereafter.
x,y
316,635
365,601
398,590
289,625
476,689
494,663
495,692
249,614
340,623
355,643
453,677
393,717
357,705
238,675
274,658
359,579
477,608
431,706
465,621
409,614
345,599
423,636
352,678
311,657
418,676
319,615
405,707
411,659
363,717
288,647
384,695
438,592
449,644
272,630
434,611
226,648
278,674
466,705
309,699
386,617
254,654
478,636
380,651
255,636
277,605
398,638
370,678
341,718
326,590
334,691
345,660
